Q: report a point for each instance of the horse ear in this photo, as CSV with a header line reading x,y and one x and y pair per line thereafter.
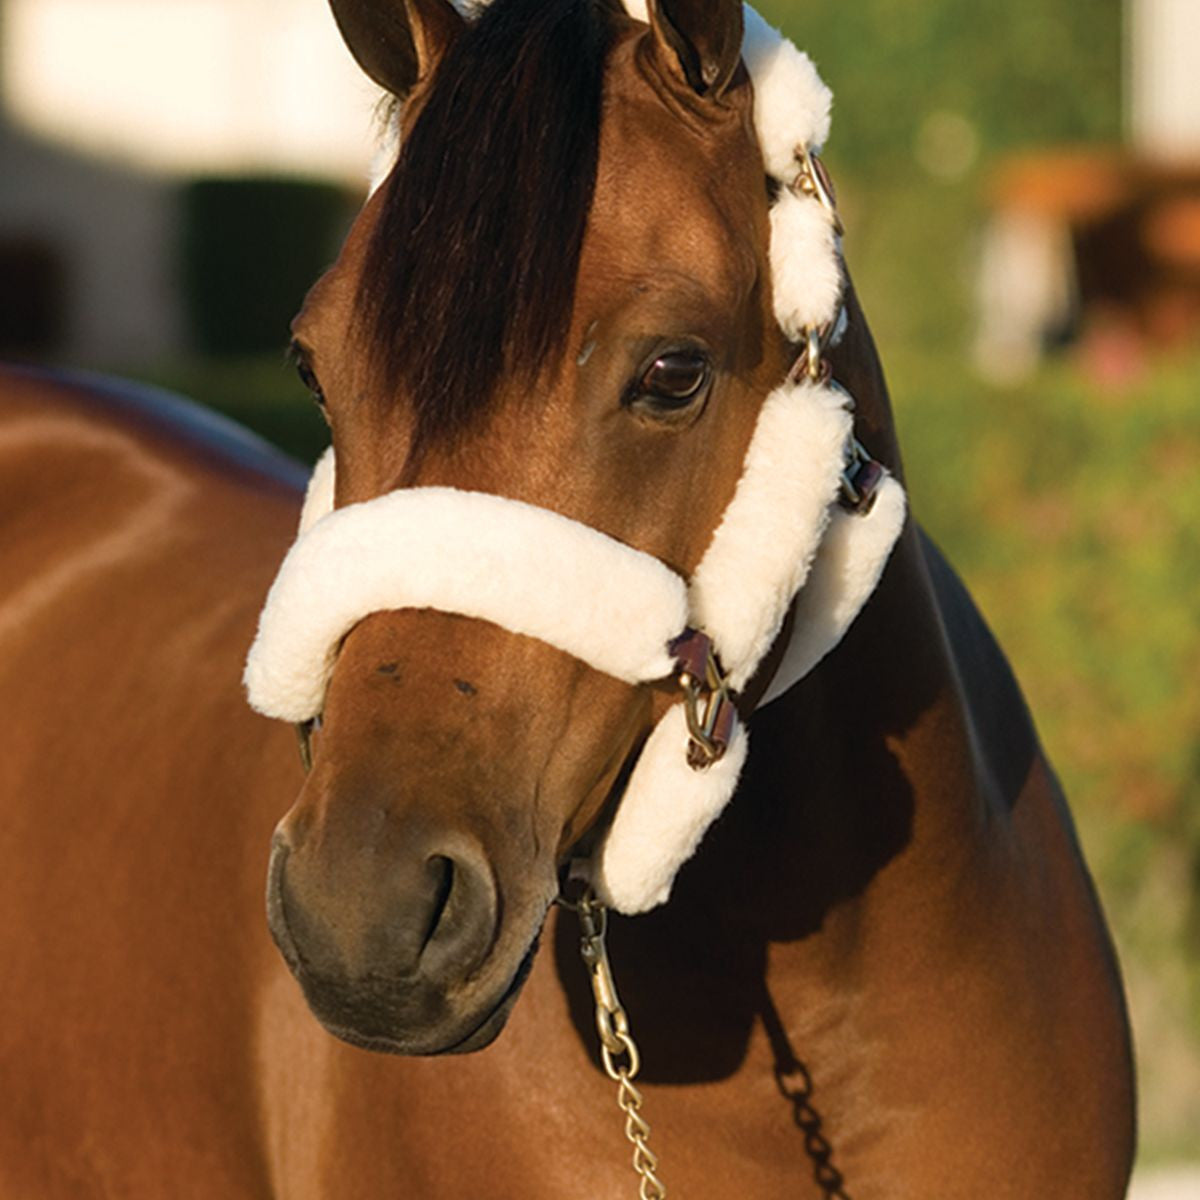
x,y
700,38
397,42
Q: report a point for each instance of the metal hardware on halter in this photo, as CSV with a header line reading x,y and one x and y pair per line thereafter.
x,y
860,479
812,364
813,180
862,475
708,701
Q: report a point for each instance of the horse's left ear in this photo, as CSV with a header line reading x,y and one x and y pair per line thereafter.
x,y
700,39
397,42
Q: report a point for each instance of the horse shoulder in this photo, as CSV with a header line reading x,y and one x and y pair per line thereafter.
x,y
1057,982
138,790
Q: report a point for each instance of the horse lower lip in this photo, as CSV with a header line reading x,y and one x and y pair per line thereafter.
x,y
476,1038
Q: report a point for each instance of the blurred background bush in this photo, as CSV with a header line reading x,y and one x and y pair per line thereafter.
x,y
989,155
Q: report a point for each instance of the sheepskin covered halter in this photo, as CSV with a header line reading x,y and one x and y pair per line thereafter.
x,y
811,523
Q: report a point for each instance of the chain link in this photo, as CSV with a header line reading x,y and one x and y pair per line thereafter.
x,y
618,1050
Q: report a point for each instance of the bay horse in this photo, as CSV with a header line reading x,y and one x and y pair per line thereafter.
x,y
882,973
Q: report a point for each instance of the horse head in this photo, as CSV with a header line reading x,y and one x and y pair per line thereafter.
x,y
558,309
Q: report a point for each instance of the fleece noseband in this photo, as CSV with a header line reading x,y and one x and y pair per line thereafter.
x,y
783,540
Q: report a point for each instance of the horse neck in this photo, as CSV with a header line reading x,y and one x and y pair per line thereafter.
x,y
874,759
862,791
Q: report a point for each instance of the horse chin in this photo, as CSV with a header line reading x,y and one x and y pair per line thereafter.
x,y
456,1033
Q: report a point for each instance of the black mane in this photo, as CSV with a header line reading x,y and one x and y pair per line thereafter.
x,y
471,271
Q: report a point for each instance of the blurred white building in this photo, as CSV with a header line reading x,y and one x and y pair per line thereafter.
x,y
1057,217
1163,77
190,85
106,105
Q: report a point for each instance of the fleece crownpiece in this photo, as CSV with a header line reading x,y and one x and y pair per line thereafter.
x,y
783,542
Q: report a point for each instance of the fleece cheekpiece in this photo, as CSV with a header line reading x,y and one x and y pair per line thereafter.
x,y
783,543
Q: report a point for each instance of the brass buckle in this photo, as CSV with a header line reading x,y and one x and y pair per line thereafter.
x,y
708,701
860,480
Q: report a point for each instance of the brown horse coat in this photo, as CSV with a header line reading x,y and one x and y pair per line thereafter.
x,y
883,975
913,922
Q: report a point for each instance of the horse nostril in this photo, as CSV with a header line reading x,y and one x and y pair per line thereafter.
x,y
276,915
462,914
419,913
441,872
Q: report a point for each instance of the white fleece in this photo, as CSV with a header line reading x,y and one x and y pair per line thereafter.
x,y
791,101
318,497
806,271
761,550
666,810
846,572
530,570
667,807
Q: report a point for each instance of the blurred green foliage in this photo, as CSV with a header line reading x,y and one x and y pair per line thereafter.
x,y
992,75
261,391
1022,71
1073,512
251,247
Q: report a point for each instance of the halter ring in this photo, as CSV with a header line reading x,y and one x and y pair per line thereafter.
x,y
813,180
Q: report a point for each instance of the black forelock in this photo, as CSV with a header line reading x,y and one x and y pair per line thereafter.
x,y
471,270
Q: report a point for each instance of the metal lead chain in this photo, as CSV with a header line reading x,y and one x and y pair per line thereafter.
x,y
618,1051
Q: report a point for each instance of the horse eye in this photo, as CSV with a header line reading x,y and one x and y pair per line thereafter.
x,y
673,380
307,375
310,382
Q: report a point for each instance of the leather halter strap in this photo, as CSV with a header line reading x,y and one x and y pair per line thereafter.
x,y
709,703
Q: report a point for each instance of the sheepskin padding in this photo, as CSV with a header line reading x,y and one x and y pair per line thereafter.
x,y
527,569
667,808
761,550
806,271
792,103
318,497
847,569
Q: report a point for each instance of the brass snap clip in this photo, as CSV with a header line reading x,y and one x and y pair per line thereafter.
x,y
618,1050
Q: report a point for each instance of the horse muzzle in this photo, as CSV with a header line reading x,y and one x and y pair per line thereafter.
x,y
397,947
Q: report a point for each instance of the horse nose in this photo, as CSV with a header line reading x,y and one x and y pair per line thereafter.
x,y
414,911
